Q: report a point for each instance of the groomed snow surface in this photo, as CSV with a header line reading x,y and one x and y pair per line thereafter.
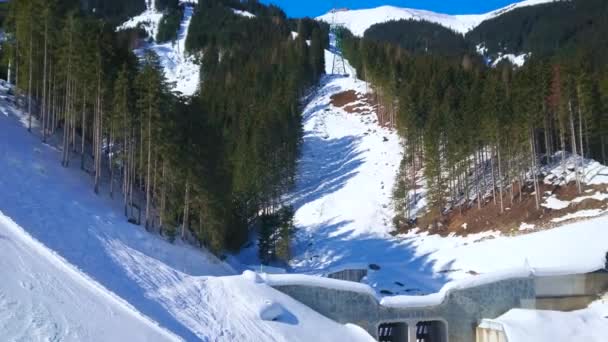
x,y
44,298
108,275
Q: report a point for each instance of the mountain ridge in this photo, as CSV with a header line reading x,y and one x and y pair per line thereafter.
x,y
359,20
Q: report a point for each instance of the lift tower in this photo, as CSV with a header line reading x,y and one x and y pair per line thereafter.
x,y
335,37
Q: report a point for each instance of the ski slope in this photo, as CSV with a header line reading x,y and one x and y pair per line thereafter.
x,y
181,70
358,21
42,298
343,214
121,269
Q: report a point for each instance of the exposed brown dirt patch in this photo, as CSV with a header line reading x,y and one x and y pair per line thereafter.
x,y
357,103
344,98
471,220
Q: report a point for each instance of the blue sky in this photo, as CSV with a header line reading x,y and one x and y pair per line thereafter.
x,y
313,8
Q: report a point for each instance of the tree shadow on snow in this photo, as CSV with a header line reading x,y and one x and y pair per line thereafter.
x,y
332,246
326,166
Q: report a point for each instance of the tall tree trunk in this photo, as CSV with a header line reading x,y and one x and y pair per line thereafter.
x,y
110,157
186,208
29,87
574,150
162,196
44,82
149,166
500,180
534,169
98,137
83,128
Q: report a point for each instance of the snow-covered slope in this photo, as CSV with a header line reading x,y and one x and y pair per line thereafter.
x,y
42,298
357,21
182,288
180,69
343,213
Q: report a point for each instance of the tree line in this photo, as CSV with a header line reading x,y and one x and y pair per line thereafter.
x,y
481,133
207,166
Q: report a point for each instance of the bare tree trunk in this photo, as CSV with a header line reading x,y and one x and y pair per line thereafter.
x,y
603,143
44,82
500,180
29,87
149,166
574,150
493,177
477,181
98,134
186,208
83,129
110,158
534,169
162,195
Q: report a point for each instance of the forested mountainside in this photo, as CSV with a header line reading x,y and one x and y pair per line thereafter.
x,y
477,132
560,28
554,29
113,11
209,164
420,37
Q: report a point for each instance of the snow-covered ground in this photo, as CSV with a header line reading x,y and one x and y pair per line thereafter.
x,y
185,290
180,69
358,21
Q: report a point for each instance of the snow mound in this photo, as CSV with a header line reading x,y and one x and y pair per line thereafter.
x,y
271,311
253,277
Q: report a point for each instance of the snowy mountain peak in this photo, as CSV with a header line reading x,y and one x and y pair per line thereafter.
x,y
358,21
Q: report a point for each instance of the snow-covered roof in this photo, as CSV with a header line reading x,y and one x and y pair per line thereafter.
x,y
520,325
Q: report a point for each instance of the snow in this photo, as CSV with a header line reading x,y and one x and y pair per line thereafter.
x,y
516,60
243,13
313,281
42,298
180,69
182,289
522,325
526,226
358,21
438,297
580,214
343,214
561,172
148,20
554,203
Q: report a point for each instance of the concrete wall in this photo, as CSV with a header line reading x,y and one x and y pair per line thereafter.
x,y
569,292
572,285
349,275
461,310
